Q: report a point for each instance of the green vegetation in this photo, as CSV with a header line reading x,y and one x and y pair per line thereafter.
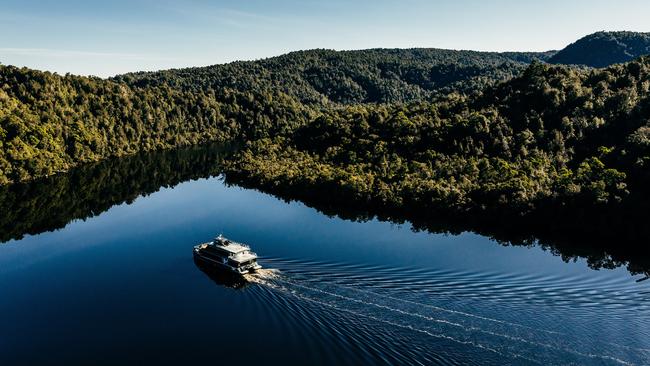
x,y
425,131
348,77
554,138
50,203
604,49
51,123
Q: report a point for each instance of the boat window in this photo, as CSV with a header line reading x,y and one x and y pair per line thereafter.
x,y
210,255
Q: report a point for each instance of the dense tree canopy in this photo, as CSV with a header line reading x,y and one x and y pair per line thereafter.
x,y
420,129
368,76
552,135
450,140
50,123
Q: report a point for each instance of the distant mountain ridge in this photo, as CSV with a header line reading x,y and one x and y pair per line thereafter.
x,y
347,77
381,75
50,123
603,49
430,132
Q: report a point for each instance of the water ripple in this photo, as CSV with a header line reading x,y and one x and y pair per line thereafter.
x,y
386,313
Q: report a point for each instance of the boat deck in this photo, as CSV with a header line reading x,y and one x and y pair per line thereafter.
x,y
235,248
241,257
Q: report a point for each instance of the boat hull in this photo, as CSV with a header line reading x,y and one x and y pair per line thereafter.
x,y
221,276
221,266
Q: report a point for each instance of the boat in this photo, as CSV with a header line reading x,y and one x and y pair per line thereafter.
x,y
223,253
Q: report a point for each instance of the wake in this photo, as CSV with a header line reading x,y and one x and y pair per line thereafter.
x,y
387,310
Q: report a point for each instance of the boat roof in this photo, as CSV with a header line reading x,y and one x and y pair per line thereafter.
x,y
230,246
234,247
244,257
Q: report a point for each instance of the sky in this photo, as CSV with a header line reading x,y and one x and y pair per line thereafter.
x,y
105,38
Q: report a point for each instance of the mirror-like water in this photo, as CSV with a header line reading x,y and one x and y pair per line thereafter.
x,y
121,287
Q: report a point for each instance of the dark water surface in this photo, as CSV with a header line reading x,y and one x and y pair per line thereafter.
x,y
120,287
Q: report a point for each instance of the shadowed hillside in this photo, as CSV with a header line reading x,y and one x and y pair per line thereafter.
x,y
367,76
604,48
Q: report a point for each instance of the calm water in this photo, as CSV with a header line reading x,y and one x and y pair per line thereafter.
x,y
120,287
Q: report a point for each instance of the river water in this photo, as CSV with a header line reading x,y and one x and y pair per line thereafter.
x,y
99,270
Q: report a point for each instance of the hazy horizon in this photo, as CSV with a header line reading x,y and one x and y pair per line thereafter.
x,y
125,36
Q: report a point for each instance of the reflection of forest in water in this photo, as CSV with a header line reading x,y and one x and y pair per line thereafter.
x,y
50,203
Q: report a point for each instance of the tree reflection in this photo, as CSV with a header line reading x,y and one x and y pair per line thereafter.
x,y
51,203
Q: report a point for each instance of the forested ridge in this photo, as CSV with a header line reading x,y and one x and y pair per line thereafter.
x,y
554,135
50,123
351,77
455,132
604,48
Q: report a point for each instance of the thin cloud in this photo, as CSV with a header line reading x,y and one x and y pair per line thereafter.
x,y
48,52
233,17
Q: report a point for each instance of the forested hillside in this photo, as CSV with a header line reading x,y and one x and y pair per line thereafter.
x,y
604,48
368,76
553,137
50,123
388,75
549,138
